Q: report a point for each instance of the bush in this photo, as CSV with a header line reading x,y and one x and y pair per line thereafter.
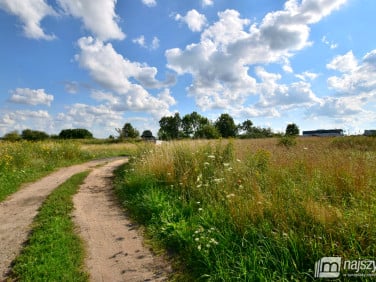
x,y
77,133
34,135
287,141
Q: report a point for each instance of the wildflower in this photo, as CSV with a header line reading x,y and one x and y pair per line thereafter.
x,y
230,195
211,157
198,203
238,160
199,247
226,164
197,239
206,163
200,209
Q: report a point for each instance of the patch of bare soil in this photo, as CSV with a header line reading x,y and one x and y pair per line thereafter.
x,y
114,246
19,209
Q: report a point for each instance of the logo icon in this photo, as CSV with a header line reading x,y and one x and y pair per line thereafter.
x,y
328,267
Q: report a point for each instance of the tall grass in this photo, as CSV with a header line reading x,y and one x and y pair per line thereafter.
x,y
24,161
252,210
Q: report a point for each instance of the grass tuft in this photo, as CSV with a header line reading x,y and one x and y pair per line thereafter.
x,y
53,252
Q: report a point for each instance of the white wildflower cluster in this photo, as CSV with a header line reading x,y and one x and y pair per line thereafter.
x,y
204,238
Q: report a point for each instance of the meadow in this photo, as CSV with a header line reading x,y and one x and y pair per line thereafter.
x,y
254,210
26,161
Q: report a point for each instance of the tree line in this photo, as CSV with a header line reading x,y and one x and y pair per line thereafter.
x,y
36,135
190,126
196,126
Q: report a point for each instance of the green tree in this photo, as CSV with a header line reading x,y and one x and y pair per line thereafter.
x,y
76,133
226,126
128,131
207,131
246,126
12,136
34,135
192,124
292,129
170,127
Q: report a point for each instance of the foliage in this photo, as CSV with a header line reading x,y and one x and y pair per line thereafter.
x,y
33,135
170,127
248,210
226,126
76,133
12,136
54,251
207,131
195,126
128,131
257,132
292,129
287,141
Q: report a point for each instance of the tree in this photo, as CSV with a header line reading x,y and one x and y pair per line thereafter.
x,y
246,126
192,124
207,131
33,135
12,136
170,127
128,131
76,133
292,129
226,126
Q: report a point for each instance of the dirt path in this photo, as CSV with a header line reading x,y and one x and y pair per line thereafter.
x,y
19,209
114,246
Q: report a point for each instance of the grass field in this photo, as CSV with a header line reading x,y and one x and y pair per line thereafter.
x,y
253,210
53,251
24,161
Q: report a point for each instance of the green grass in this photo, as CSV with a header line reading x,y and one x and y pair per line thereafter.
x,y
22,162
251,210
53,251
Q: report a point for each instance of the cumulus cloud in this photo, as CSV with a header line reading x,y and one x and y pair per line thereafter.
x,y
119,76
193,19
30,13
31,97
149,3
22,119
98,16
221,63
283,96
356,78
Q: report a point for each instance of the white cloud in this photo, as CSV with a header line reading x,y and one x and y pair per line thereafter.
x,y
283,96
205,3
117,75
98,16
220,62
30,13
307,76
193,19
31,97
142,42
327,42
23,119
149,3
357,78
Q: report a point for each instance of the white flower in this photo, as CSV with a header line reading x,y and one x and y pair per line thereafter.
x,y
230,195
211,157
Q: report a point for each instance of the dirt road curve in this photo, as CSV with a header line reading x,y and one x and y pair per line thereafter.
x,y
114,247
95,211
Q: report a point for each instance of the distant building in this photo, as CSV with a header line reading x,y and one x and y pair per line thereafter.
x,y
370,132
323,132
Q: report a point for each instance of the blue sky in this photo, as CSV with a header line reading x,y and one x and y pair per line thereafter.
x,y
100,64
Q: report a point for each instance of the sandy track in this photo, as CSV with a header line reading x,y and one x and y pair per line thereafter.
x,y
115,251
19,209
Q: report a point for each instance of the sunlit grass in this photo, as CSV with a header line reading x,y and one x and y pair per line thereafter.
x,y
23,161
266,212
53,251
